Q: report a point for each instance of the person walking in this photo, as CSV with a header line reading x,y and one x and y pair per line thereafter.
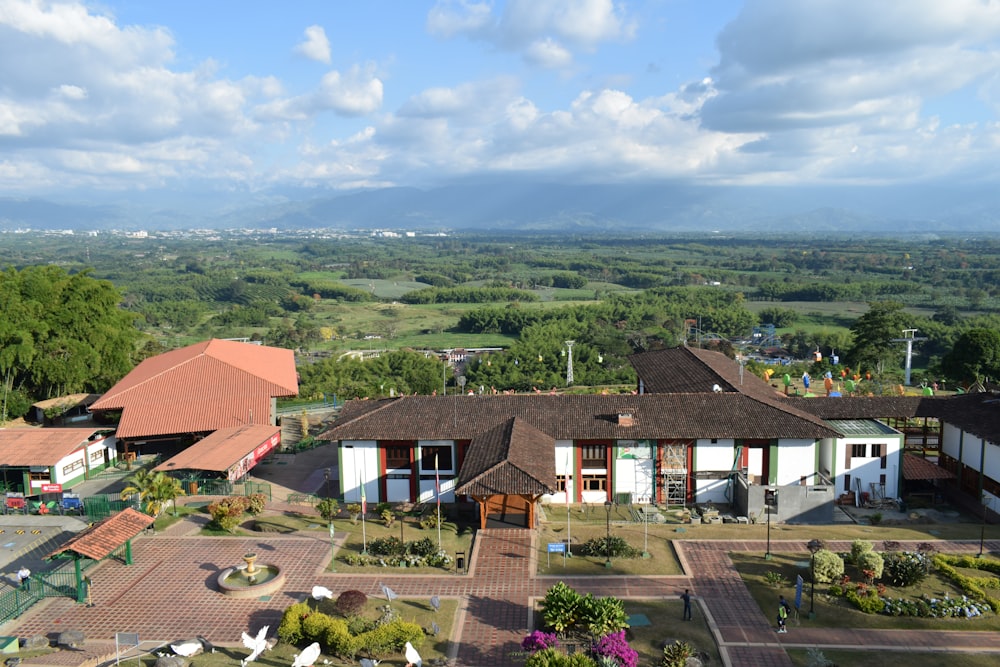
x,y
24,577
783,609
686,596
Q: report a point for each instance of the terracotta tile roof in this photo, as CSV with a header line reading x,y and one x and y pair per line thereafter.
x,y
106,535
202,387
711,415
223,449
512,458
977,414
916,467
41,446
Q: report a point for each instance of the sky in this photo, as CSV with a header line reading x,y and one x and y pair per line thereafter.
x,y
251,98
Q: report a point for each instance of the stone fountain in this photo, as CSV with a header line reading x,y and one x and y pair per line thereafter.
x,y
251,579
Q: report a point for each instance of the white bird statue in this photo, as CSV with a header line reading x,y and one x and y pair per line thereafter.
x,y
257,645
308,656
412,657
320,592
188,647
369,662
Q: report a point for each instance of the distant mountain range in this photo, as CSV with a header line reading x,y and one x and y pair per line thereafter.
x,y
544,207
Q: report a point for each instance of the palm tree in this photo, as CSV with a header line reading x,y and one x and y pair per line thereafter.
x,y
155,489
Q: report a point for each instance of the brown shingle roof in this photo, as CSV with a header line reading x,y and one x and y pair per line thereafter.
x,y
915,467
512,458
712,415
202,387
41,446
869,407
106,535
687,370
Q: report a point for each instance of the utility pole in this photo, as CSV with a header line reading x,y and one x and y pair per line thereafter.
x,y
909,337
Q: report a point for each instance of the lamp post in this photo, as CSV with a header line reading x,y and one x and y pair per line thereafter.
x,y
326,476
813,546
770,497
982,529
607,540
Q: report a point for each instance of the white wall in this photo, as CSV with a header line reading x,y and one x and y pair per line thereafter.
x,y
796,459
359,465
869,469
715,456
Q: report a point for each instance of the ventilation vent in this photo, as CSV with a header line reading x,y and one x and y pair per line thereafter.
x,y
625,419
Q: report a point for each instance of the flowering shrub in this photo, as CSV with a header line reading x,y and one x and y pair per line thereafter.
x,y
616,646
904,568
228,512
439,559
828,566
539,641
925,607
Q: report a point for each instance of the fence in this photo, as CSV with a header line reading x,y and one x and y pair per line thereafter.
x,y
53,584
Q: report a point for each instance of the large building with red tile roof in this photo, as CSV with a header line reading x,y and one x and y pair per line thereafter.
x,y
175,398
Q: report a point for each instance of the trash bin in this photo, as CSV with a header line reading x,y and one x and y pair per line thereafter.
x,y
192,488
460,561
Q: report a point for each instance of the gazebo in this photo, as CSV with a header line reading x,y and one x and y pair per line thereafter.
x,y
507,469
100,541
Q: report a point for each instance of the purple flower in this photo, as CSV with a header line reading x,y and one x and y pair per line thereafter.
x,y
538,641
616,646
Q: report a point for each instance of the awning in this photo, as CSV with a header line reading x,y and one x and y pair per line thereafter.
x,y
917,468
234,451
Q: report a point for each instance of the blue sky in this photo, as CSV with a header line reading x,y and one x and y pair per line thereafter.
x,y
252,97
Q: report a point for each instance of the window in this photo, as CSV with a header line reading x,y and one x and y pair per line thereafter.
x,y
594,456
847,482
593,482
562,482
878,450
44,476
67,469
436,457
858,451
397,458
97,456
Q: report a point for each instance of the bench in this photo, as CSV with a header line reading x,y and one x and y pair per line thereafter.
x,y
302,499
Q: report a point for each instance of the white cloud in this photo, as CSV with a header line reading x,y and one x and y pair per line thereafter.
x,y
316,45
544,32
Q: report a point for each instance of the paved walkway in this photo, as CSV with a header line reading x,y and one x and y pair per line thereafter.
x,y
169,594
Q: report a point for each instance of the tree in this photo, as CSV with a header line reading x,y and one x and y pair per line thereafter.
x,y
874,333
976,355
62,333
155,489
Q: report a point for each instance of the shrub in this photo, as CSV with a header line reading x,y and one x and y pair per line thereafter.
x,y
875,518
388,517
552,658
539,641
560,607
867,600
775,578
314,627
859,547
429,521
828,566
290,627
390,638
614,645
228,512
602,616
422,547
256,503
350,603
386,546
602,547
354,509
328,508
871,563
676,654
904,568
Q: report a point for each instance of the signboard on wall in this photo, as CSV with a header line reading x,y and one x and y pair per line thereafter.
x,y
635,449
51,488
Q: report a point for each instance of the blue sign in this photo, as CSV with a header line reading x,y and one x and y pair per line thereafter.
x,y
798,591
557,547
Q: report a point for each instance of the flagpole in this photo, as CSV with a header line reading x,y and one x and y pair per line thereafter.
x,y
569,528
364,510
437,488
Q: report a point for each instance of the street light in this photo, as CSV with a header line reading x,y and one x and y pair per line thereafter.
x,y
982,530
607,540
770,498
813,546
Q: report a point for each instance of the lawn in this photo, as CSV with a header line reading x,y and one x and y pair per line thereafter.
x,y
837,612
869,658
